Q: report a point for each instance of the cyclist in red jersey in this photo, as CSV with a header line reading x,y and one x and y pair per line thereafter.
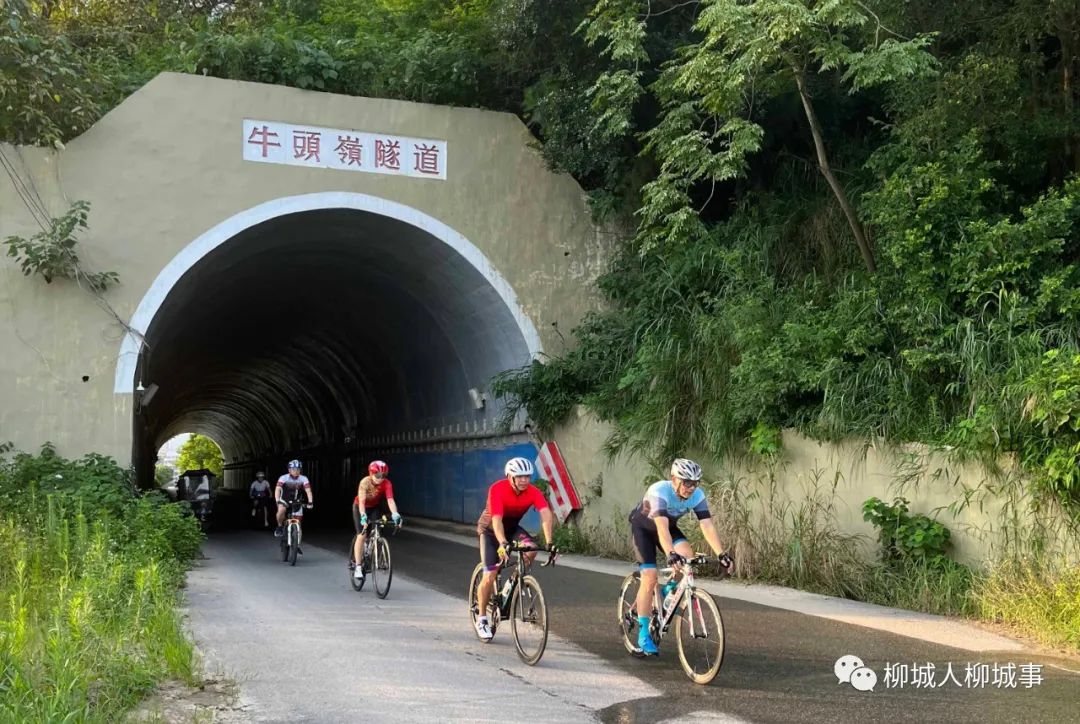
x,y
508,501
375,493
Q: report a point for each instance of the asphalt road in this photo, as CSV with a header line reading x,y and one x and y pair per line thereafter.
x,y
413,656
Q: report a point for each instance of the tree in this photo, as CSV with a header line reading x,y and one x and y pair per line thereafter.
x,y
748,54
163,475
200,452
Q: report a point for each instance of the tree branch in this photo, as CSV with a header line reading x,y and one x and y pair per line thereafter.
x,y
830,177
650,14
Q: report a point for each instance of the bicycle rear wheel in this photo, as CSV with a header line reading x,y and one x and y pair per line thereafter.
x,y
701,653
529,620
627,611
381,569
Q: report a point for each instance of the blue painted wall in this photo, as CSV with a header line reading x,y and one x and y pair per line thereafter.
x,y
452,484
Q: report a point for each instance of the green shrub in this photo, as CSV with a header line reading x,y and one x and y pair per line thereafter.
x,y
88,623
906,537
571,539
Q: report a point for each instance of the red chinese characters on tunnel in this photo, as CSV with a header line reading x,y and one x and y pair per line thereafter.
x,y
344,149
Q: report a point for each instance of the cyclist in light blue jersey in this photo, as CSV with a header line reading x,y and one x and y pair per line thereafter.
x,y
654,524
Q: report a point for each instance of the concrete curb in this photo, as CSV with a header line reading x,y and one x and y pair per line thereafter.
x,y
923,626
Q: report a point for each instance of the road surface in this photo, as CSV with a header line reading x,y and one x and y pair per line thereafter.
x,y
305,647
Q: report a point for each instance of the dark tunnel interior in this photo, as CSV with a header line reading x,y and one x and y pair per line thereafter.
x,y
310,333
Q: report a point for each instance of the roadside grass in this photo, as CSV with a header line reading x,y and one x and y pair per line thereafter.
x,y
88,593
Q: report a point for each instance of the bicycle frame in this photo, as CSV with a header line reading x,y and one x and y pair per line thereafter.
x,y
687,588
521,568
292,523
375,533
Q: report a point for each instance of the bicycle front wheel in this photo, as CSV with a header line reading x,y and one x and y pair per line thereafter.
x,y
294,544
381,570
529,620
699,635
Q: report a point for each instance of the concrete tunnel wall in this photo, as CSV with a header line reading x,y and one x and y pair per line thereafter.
x,y
164,171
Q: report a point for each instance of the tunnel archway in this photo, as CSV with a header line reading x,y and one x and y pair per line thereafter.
x,y
319,326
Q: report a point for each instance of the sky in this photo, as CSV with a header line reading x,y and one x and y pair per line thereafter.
x,y
169,451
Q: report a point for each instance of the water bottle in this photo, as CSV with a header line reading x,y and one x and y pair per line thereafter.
x,y
506,587
669,597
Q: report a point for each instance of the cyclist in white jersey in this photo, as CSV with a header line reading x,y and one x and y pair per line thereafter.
x,y
288,490
259,492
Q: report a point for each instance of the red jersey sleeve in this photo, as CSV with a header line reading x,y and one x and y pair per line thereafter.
x,y
389,490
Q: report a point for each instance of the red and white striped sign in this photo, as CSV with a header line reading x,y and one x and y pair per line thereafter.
x,y
561,493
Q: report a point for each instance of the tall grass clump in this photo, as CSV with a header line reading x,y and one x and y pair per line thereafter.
x,y
88,624
1039,601
788,542
796,541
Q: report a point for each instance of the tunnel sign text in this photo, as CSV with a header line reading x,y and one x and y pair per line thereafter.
x,y
285,143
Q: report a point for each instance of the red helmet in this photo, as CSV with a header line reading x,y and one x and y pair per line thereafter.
x,y
378,466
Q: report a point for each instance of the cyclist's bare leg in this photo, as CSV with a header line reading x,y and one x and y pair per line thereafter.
x,y
645,591
648,580
487,589
684,549
487,585
281,514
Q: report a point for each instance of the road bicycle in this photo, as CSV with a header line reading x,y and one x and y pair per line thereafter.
x,y
290,539
518,598
375,558
699,629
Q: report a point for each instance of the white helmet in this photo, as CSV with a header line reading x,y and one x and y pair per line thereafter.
x,y
518,466
686,470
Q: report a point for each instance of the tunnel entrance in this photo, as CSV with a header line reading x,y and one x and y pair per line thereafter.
x,y
333,334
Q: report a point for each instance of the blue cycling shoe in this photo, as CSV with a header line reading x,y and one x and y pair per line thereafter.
x,y
646,644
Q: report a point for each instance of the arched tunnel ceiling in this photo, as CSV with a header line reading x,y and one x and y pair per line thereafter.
x,y
317,325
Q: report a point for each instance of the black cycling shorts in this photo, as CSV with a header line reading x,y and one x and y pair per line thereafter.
x,y
489,546
373,514
647,539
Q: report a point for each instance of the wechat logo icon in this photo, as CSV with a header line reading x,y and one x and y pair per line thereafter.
x,y
851,670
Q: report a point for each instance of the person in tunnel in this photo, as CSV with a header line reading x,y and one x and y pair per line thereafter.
x,y
374,495
288,490
259,493
508,500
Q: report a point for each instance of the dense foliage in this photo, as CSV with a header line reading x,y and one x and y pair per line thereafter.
x,y
855,218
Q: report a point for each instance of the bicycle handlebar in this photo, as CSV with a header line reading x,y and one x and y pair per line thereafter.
x,y
699,560
516,547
